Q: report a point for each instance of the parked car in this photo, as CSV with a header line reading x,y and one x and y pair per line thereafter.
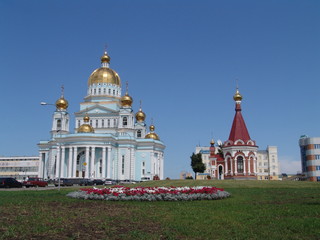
x,y
144,179
63,182
98,182
86,182
109,182
10,183
35,182
127,181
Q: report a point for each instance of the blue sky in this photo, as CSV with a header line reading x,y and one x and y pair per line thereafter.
x,y
181,58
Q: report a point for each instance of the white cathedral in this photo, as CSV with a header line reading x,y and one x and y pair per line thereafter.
x,y
110,140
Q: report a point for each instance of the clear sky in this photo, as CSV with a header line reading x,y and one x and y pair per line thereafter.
x,y
181,58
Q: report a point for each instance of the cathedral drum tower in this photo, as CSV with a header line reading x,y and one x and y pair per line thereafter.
x,y
109,141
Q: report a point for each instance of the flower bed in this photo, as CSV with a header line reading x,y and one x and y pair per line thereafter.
x,y
122,193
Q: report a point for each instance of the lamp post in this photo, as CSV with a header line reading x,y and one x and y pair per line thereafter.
x,y
59,174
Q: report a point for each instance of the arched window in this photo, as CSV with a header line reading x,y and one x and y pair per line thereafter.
x,y
109,91
99,91
104,91
125,121
108,122
114,92
94,91
58,124
102,123
96,123
78,123
240,164
139,134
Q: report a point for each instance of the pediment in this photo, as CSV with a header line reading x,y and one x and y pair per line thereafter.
x,y
96,109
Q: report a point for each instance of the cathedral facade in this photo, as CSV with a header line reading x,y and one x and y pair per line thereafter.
x,y
110,140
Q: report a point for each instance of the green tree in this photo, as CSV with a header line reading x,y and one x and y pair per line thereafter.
x,y
197,164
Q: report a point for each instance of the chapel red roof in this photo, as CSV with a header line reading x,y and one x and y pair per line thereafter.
x,y
239,129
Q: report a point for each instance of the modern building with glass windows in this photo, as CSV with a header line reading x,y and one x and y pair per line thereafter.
x,y
110,139
19,167
310,157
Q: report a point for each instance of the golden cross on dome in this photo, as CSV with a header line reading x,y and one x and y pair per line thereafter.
x,y
62,90
105,48
127,87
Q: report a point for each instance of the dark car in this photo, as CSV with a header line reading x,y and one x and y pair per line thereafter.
x,y
86,182
63,182
10,183
98,182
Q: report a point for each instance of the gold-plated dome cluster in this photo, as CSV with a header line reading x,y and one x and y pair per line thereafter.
x,y
104,74
152,134
237,96
86,128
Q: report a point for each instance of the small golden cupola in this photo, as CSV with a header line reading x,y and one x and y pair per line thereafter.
x,y
126,100
212,142
140,116
237,96
61,103
104,74
152,134
86,128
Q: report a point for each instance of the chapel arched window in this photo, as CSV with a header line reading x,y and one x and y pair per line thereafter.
x,y
240,164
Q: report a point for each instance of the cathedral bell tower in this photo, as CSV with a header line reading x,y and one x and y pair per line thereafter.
x,y
60,119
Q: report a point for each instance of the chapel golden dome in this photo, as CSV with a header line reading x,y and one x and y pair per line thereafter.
x,y
61,103
212,142
140,116
126,100
152,134
86,128
237,96
104,74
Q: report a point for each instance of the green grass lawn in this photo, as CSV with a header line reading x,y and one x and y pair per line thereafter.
x,y
256,210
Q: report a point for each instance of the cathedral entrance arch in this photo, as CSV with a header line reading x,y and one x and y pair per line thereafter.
x,y
81,168
220,173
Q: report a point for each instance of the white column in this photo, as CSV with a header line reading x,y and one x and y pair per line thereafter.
x,y
40,166
225,167
74,162
161,168
62,161
249,166
244,165
58,162
92,169
103,166
235,167
109,163
70,163
87,162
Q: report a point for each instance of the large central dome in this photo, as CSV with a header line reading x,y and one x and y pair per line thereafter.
x,y
104,74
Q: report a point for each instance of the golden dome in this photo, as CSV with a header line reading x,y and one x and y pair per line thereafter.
x,y
86,128
61,103
105,58
237,96
126,100
140,116
151,134
212,142
104,74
